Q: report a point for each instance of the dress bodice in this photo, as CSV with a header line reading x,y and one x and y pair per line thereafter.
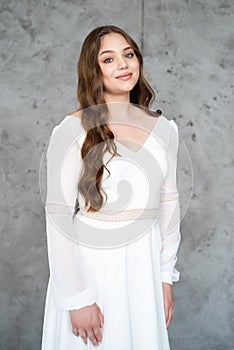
x,y
135,177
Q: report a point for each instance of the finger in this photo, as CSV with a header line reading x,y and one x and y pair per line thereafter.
x,y
97,333
92,336
101,317
170,315
83,335
166,311
75,331
168,319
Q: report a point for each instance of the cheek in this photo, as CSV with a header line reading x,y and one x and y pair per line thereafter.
x,y
107,71
135,64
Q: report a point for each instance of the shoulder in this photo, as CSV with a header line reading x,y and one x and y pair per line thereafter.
x,y
169,132
65,132
173,136
77,113
169,122
167,125
70,124
174,131
171,125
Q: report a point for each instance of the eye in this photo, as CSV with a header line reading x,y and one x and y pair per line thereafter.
x,y
130,53
107,60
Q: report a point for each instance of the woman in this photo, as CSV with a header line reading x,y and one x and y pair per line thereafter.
x,y
111,286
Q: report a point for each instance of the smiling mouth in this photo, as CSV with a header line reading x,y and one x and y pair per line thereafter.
x,y
128,75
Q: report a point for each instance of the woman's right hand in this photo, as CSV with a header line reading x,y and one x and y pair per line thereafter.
x,y
87,321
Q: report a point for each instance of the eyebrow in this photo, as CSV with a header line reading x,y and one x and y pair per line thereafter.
x,y
125,49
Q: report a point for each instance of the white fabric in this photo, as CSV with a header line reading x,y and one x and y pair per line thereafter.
x,y
125,282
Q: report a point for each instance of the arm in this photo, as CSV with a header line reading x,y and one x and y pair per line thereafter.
x,y
170,224
170,212
72,282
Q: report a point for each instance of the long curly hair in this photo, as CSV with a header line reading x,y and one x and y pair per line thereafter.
x,y
94,117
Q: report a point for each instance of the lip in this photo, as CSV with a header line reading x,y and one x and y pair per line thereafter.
x,y
124,76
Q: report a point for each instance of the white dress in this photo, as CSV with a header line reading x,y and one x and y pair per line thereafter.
x,y
122,275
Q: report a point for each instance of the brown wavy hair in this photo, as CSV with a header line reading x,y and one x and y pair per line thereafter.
x,y
94,117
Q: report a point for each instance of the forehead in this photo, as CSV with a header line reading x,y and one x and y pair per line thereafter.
x,y
112,41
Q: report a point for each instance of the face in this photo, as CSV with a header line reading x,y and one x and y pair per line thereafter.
x,y
120,60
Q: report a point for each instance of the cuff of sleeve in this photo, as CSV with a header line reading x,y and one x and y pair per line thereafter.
x,y
170,278
88,297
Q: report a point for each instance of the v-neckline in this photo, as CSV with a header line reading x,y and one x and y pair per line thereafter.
x,y
144,143
121,144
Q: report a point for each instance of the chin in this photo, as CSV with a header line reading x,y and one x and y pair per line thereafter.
x,y
128,88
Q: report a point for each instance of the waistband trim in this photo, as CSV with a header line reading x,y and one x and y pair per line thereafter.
x,y
122,215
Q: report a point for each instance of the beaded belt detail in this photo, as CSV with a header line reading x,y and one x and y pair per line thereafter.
x,y
115,215
122,215
105,215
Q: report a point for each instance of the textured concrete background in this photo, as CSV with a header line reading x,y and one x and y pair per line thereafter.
x,y
188,49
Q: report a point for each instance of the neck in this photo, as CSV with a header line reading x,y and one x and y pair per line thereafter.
x,y
119,106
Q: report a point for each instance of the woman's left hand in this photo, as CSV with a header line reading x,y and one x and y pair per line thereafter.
x,y
168,302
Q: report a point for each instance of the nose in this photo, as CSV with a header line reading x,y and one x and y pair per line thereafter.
x,y
122,63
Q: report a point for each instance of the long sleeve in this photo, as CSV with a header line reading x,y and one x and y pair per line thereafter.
x,y
170,212
72,281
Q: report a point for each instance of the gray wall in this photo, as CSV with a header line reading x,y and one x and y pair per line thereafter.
x,y
188,50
